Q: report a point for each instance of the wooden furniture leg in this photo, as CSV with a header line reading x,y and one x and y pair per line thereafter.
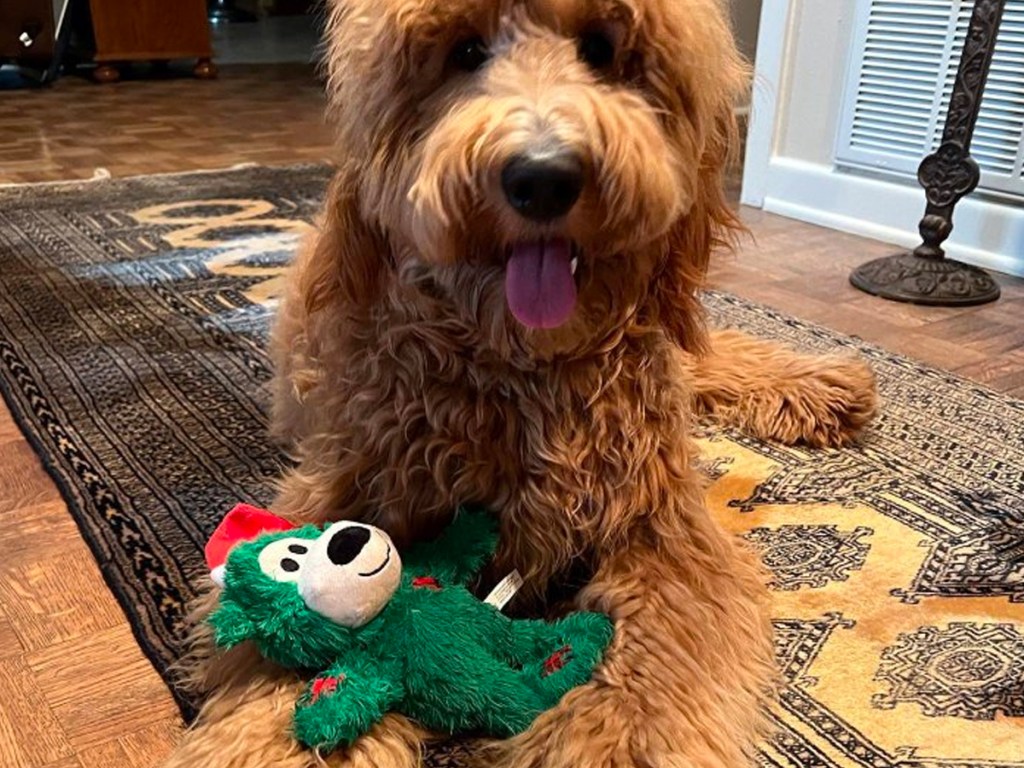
x,y
205,69
106,73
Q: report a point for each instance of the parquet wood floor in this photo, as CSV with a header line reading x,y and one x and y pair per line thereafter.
x,y
248,114
75,691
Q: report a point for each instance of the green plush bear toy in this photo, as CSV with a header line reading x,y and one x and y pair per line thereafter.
x,y
386,635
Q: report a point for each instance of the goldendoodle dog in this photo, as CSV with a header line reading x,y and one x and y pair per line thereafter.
x,y
501,306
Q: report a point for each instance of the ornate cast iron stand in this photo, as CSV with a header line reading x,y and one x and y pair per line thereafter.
x,y
925,275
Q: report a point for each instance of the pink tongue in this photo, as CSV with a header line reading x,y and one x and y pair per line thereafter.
x,y
539,284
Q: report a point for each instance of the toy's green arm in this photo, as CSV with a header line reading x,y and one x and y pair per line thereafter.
x,y
460,552
343,702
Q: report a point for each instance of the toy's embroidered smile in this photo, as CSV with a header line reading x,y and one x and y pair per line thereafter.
x,y
381,567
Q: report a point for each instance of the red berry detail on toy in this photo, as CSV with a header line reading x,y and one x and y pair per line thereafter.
x,y
425,582
326,685
557,660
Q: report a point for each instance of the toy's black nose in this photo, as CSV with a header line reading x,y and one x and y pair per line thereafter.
x,y
346,544
543,188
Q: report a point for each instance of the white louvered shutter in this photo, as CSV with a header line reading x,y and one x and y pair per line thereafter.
x,y
904,61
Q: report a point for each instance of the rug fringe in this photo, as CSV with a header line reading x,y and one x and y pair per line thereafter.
x,y
104,174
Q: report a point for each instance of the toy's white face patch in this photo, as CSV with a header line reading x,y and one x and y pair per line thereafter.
x,y
350,573
283,560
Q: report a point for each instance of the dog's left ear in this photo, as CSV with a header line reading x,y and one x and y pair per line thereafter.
x,y
709,224
347,267
701,91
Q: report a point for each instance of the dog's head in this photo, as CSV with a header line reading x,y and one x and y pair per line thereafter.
x,y
549,169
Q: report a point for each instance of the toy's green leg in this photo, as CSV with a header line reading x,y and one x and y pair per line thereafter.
x,y
557,657
511,703
343,702
531,639
534,639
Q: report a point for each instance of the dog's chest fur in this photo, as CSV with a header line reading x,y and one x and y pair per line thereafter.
x,y
567,452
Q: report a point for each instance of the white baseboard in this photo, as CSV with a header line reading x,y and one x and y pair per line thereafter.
x,y
986,233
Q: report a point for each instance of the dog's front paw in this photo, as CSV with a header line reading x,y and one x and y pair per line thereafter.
x,y
775,393
827,405
576,732
822,402
597,727
251,725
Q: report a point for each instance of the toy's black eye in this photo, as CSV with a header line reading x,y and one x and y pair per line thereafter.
x,y
297,549
469,54
346,544
597,49
289,565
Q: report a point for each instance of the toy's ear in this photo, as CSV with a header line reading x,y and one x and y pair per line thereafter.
x,y
231,626
243,523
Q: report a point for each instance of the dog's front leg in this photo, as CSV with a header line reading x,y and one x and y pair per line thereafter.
x,y
249,726
684,682
775,393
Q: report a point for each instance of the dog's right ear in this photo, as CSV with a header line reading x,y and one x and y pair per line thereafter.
x,y
347,267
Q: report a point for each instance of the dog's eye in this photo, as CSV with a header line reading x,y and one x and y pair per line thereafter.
x,y
469,54
597,49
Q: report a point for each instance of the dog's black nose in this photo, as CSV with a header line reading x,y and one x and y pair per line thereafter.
x,y
346,544
543,188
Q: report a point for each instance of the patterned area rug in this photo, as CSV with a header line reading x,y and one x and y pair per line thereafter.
x,y
133,319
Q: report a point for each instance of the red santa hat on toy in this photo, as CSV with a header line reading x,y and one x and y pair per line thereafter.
x,y
243,523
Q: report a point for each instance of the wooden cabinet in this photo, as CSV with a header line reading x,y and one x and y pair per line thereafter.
x,y
150,30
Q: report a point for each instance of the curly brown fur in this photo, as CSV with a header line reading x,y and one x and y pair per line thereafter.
x,y
405,386
775,394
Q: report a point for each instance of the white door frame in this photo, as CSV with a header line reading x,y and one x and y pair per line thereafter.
x,y
772,43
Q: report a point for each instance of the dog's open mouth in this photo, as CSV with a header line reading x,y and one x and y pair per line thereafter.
x,y
540,282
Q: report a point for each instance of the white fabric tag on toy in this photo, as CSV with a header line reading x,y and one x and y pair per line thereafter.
x,y
505,590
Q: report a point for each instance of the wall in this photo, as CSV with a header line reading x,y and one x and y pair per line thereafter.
x,y
815,76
